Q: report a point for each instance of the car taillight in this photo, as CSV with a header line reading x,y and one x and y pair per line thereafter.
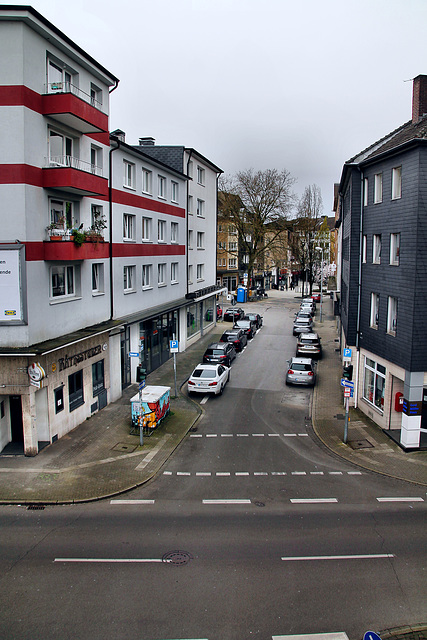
x,y
191,382
236,341
291,371
310,373
222,357
212,384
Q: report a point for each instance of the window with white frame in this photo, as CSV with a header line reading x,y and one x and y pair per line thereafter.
x,y
97,277
190,168
190,238
174,272
161,230
232,230
147,181
395,249
200,240
129,174
129,273
232,263
232,246
392,315
146,228
200,175
396,183
375,310
174,232
161,187
376,249
365,192
63,281
374,383
200,271
95,96
200,208
60,149
62,215
174,191
96,160
190,274
190,205
146,276
364,247
128,226
60,79
378,188
222,245
161,274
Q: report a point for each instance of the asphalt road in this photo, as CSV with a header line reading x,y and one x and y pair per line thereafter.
x,y
250,530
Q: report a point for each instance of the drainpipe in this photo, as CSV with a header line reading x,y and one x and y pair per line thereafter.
x,y
110,222
359,291
186,216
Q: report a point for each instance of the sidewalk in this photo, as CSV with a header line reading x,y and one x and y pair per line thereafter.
x,y
100,458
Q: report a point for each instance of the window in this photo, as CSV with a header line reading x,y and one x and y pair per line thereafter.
x,y
376,249
200,240
161,275
95,96
97,277
232,230
162,187
129,279
97,377
190,205
222,245
232,246
174,231
374,383
60,149
190,239
129,175
378,188
146,276
190,274
364,248
59,399
147,181
62,281
190,169
396,183
62,215
200,175
174,272
232,263
59,79
97,218
75,390
395,248
161,230
375,310
392,316
174,189
200,208
128,226
200,271
96,160
365,192
146,229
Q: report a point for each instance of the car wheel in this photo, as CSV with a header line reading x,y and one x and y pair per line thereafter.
x,y
229,376
221,389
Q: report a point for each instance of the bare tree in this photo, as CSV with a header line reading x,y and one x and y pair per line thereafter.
x,y
305,228
254,202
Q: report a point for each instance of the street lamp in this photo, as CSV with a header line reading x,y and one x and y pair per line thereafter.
x,y
321,283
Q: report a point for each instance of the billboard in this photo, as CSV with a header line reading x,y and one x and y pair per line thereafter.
x,y
10,286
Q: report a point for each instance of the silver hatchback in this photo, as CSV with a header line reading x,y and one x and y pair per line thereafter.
x,y
301,371
302,325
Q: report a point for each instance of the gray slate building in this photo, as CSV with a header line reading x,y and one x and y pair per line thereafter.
x,y
383,218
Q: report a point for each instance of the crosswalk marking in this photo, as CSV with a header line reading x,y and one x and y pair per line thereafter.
x,y
247,435
274,473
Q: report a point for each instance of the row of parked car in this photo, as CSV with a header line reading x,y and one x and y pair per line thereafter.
x,y
213,373
302,370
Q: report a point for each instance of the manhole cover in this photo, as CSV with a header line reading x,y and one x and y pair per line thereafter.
x,y
177,557
360,444
121,446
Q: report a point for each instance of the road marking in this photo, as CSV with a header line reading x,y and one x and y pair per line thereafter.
x,y
298,473
312,500
278,473
273,435
354,473
204,399
222,473
303,435
211,435
183,473
367,556
258,435
203,473
152,453
132,501
112,560
290,435
400,499
242,435
242,473
335,473
236,501
316,473
196,435
314,636
260,473
226,435
167,473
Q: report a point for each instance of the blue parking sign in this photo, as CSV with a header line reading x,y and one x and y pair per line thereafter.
x,y
173,346
347,353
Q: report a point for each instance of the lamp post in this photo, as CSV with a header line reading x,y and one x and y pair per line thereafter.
x,y
321,283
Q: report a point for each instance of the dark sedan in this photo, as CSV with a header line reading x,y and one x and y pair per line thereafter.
x,y
233,313
221,353
237,337
248,327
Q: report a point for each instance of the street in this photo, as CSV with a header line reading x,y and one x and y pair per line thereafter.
x,y
252,529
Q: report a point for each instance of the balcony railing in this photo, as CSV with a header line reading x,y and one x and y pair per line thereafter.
x,y
73,163
68,87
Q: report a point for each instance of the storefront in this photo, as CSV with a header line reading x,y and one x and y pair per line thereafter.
x,y
154,338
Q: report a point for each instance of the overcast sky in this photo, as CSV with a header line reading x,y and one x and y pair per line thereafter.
x,y
301,85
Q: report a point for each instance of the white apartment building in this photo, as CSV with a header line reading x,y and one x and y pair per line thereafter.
x,y
93,241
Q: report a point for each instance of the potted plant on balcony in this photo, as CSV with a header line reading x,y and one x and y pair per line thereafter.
x,y
55,230
79,236
99,223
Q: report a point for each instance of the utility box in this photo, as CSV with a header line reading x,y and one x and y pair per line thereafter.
x,y
149,410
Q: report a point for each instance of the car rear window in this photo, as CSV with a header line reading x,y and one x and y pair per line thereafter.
x,y
299,366
309,341
204,373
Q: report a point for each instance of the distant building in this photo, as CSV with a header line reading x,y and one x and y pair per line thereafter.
x,y
383,220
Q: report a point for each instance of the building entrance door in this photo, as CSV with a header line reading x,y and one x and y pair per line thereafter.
x,y
424,411
16,424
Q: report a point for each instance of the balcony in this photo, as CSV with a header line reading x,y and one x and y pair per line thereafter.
x,y
62,247
73,175
73,107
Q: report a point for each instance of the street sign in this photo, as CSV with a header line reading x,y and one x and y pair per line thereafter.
x,y
347,383
348,393
133,354
371,635
173,346
141,385
346,354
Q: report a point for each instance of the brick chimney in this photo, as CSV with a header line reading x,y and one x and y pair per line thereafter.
x,y
419,98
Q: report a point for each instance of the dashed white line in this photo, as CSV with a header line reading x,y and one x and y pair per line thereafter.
x,y
316,473
132,501
335,473
400,499
367,556
223,473
229,501
312,500
242,473
299,473
203,473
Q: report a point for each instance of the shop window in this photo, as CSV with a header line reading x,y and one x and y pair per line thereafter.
x,y
75,390
98,377
374,383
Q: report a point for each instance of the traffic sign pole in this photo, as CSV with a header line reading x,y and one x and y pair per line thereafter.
x,y
347,402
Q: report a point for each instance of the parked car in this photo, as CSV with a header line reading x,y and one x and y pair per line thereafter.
x,y
237,337
233,313
208,378
302,325
255,317
304,313
309,345
316,297
209,313
248,326
301,371
220,353
305,306
309,301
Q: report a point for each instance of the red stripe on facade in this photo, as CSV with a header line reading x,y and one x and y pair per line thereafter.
x,y
133,200
18,95
147,250
39,251
21,174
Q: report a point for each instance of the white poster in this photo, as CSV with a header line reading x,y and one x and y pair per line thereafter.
x,y
10,285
